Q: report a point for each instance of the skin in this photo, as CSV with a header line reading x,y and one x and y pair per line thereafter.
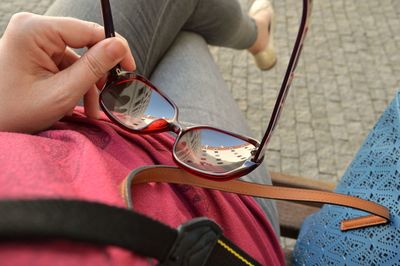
x,y
262,19
42,78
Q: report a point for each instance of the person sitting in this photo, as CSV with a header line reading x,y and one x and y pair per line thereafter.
x,y
49,148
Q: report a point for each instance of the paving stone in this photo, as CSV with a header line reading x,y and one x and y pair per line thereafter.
x,y
307,146
327,177
331,91
309,164
354,127
319,123
318,106
304,131
239,90
341,147
273,159
253,75
239,72
303,115
342,162
327,166
254,95
242,105
289,165
289,149
339,132
275,143
335,116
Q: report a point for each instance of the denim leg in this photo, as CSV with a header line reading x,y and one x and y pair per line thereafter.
x,y
151,26
189,76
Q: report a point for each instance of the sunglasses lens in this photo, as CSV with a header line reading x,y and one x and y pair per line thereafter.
x,y
212,151
137,105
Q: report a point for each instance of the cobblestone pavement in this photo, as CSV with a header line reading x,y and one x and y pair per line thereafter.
x,y
347,74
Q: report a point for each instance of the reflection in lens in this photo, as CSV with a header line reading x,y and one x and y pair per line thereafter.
x,y
212,151
136,105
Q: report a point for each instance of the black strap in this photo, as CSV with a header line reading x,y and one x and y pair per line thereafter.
x,y
198,242
85,221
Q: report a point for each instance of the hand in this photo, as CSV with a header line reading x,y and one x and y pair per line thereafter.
x,y
42,79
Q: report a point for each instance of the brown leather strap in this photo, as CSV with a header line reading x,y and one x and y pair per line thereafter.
x,y
170,174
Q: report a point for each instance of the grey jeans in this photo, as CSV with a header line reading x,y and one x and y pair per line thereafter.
x,y
169,41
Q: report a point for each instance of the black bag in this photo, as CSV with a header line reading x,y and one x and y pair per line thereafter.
x,y
197,242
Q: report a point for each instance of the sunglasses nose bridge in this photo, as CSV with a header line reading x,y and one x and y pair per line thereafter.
x,y
176,127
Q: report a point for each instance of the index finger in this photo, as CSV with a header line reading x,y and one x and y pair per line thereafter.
x,y
78,33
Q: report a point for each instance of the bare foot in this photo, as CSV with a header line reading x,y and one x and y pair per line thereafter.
x,y
263,18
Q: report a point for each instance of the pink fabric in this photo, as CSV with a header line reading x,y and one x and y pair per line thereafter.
x,y
87,159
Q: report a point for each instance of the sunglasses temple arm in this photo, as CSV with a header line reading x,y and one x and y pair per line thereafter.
x,y
109,28
289,75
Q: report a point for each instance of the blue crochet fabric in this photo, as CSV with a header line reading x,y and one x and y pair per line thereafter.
x,y
374,175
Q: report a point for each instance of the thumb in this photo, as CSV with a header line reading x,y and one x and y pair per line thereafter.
x,y
92,66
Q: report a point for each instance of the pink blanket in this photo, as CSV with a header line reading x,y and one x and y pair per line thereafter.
x,y
86,159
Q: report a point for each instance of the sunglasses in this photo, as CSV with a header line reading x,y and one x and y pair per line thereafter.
x,y
136,105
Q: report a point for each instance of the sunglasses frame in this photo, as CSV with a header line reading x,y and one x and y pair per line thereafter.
x,y
174,126
249,165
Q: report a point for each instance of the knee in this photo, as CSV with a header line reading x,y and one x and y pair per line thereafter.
x,y
225,29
